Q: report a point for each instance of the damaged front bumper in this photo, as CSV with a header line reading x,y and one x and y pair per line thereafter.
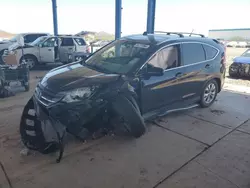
x,y
44,121
74,116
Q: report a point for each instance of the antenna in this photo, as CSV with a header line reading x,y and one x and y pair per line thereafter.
x,y
191,32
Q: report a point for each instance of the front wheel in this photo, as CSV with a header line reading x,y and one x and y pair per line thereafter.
x,y
130,115
30,60
209,94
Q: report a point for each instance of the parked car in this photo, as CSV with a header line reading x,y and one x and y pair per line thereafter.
x,y
97,45
49,49
28,38
241,65
232,44
242,44
144,77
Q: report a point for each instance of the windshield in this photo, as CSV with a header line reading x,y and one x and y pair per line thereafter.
x,y
38,41
246,53
119,56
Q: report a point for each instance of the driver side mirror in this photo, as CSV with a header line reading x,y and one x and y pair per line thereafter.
x,y
149,71
155,71
40,45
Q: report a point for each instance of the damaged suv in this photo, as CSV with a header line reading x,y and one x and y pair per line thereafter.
x,y
125,83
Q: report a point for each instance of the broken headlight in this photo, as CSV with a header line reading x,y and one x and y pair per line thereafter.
x,y
78,94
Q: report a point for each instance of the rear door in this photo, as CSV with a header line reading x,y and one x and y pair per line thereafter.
x,y
197,58
67,47
163,91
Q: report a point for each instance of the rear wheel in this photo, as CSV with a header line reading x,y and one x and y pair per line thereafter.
x,y
209,94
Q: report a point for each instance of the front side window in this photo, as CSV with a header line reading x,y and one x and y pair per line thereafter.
x,y
51,42
193,53
166,58
119,56
39,41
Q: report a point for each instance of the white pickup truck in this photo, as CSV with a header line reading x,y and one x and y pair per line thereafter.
x,y
28,38
48,49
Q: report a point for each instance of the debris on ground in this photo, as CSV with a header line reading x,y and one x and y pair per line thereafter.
x,y
4,92
25,152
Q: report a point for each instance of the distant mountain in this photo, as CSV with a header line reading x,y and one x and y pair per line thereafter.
x,y
4,34
91,35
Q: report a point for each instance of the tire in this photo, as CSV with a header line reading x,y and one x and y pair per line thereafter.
x,y
1,58
31,61
27,87
134,121
210,90
234,73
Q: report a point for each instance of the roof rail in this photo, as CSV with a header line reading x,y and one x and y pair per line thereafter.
x,y
65,35
167,33
176,33
190,34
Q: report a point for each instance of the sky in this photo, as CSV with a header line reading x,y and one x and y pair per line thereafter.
x,y
99,15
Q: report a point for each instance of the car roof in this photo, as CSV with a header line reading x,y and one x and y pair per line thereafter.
x,y
156,39
34,33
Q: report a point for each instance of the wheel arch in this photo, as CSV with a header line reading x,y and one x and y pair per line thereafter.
x,y
28,55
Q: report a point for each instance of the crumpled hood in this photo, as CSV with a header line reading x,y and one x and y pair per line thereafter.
x,y
15,46
242,60
74,75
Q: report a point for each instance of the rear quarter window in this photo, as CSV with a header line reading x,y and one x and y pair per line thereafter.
x,y
192,53
80,41
211,52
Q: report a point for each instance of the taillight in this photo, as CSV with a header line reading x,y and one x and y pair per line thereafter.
x,y
88,49
223,58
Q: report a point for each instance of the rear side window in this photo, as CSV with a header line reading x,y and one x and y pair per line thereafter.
x,y
192,53
210,52
80,41
67,42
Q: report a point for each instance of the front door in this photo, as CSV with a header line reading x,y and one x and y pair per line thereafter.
x,y
163,91
47,51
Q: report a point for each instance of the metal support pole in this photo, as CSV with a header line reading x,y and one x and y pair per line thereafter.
x,y
54,9
118,18
151,16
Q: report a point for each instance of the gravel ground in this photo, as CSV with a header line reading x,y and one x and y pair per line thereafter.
x,y
231,53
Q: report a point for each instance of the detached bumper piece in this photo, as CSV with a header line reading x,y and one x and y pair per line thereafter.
x,y
239,70
32,132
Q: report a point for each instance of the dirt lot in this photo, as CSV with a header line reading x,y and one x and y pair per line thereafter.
x,y
195,148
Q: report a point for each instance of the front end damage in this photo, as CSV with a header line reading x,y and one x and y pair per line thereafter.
x,y
47,117
239,69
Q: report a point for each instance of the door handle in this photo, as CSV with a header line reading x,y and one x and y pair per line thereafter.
x,y
179,74
49,49
207,66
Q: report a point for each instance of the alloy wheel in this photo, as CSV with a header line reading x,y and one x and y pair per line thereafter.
x,y
209,93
